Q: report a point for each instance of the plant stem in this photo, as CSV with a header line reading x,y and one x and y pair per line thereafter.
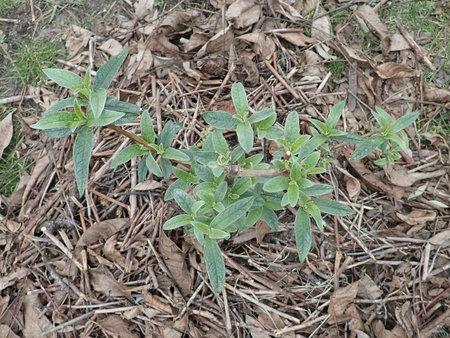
x,y
131,136
236,171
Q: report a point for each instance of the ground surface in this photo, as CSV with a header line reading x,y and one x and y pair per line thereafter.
x,y
381,273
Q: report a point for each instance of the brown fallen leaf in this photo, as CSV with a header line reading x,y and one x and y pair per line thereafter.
x,y
110,252
435,94
148,185
197,39
115,326
381,332
104,282
249,69
341,298
398,43
255,328
261,44
157,302
297,38
12,277
220,42
284,8
400,176
321,29
6,332
101,230
417,217
77,39
392,70
111,46
243,13
175,260
6,132
371,19
442,239
368,289
36,175
261,229
352,185
142,8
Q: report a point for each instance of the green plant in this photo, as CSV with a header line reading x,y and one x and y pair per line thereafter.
x,y
222,189
29,59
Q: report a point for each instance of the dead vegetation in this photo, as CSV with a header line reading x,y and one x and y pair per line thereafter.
x,y
101,265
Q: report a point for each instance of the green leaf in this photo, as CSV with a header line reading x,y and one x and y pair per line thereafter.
x,y
237,154
65,78
218,234
166,168
303,235
142,170
60,105
123,107
296,172
82,150
323,128
184,200
178,184
107,72
299,142
153,166
204,173
77,109
403,144
176,155
383,118
270,217
127,154
168,133
292,127
404,121
311,145
177,221
271,133
348,137
202,227
292,193
147,131
107,117
335,114
58,132
332,207
317,190
57,119
220,119
215,265
262,115
367,146
232,213
97,101
311,160
221,191
245,135
276,184
219,143
241,185
239,99
314,211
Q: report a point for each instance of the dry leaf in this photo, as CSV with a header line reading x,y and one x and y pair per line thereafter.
x,y
371,19
321,28
117,327
262,44
400,176
102,230
250,69
176,263
140,62
286,9
13,277
77,39
148,185
417,217
398,43
6,132
36,175
261,229
435,94
220,42
111,46
110,252
104,282
196,40
6,332
297,38
406,319
255,328
156,302
368,289
392,70
442,239
243,13
143,8
352,185
35,322
341,298
381,332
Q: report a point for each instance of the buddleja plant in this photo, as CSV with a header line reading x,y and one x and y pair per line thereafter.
x,y
221,189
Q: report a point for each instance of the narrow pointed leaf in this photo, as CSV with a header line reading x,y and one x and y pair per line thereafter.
x,y
65,78
215,265
335,114
97,101
184,200
153,166
127,154
239,98
232,213
245,135
82,150
220,119
276,184
332,207
404,122
366,147
177,221
292,127
303,235
107,72
176,155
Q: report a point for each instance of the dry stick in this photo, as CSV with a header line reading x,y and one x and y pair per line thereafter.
x,y
261,305
301,326
417,49
62,247
360,243
283,81
17,98
275,98
227,312
131,136
68,323
219,91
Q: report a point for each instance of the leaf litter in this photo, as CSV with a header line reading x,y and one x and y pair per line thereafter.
x,y
383,273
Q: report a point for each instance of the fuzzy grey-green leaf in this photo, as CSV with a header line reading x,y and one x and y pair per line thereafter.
x,y
214,262
82,150
303,236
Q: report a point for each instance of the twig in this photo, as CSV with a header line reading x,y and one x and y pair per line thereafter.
x,y
417,49
225,80
237,171
9,20
301,326
68,323
17,98
131,136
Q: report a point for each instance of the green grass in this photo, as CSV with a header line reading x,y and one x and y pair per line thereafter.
x,y
337,68
12,163
30,59
6,6
419,16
